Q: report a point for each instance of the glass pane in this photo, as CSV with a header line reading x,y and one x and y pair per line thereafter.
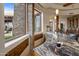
x,y
8,16
37,21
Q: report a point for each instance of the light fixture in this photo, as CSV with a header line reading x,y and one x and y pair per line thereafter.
x,y
54,17
57,11
50,20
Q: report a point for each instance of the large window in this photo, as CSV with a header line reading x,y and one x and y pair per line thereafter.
x,y
15,20
37,15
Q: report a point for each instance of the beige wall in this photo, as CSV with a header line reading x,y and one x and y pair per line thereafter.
x,y
45,16
1,29
49,14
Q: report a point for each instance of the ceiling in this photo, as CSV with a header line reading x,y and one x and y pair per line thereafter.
x,y
72,9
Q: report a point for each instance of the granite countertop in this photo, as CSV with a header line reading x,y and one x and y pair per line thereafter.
x,y
66,50
49,46
74,45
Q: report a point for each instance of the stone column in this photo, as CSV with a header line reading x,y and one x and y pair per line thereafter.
x,y
1,29
31,27
19,20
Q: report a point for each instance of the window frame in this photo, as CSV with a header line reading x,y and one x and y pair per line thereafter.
x,y
40,13
16,37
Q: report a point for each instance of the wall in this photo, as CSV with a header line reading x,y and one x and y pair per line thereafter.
x,y
49,14
62,19
1,29
45,16
19,25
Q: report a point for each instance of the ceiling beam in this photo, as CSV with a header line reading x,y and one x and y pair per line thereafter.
x,y
67,4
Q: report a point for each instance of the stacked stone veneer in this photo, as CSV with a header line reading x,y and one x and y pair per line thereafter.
x,y
19,20
30,19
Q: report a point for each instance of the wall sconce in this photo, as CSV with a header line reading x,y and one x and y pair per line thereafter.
x,y
55,17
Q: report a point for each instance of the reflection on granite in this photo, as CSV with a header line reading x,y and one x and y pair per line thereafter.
x,y
45,48
49,46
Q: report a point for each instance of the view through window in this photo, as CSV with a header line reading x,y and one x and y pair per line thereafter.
x,y
37,20
8,18
15,20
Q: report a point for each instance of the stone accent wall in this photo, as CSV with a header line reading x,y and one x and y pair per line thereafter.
x,y
30,19
19,21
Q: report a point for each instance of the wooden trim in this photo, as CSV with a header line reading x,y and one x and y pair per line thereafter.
x,y
57,23
67,4
33,27
37,10
38,36
39,39
25,17
33,18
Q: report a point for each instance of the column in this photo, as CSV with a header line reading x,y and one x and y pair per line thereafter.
x,y
31,27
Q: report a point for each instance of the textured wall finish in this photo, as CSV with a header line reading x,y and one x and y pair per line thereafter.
x,y
30,19
19,21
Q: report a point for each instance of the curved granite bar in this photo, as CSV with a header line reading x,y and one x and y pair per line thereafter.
x,y
49,47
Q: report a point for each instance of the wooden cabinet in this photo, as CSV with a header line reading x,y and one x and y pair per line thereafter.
x,y
73,23
18,49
